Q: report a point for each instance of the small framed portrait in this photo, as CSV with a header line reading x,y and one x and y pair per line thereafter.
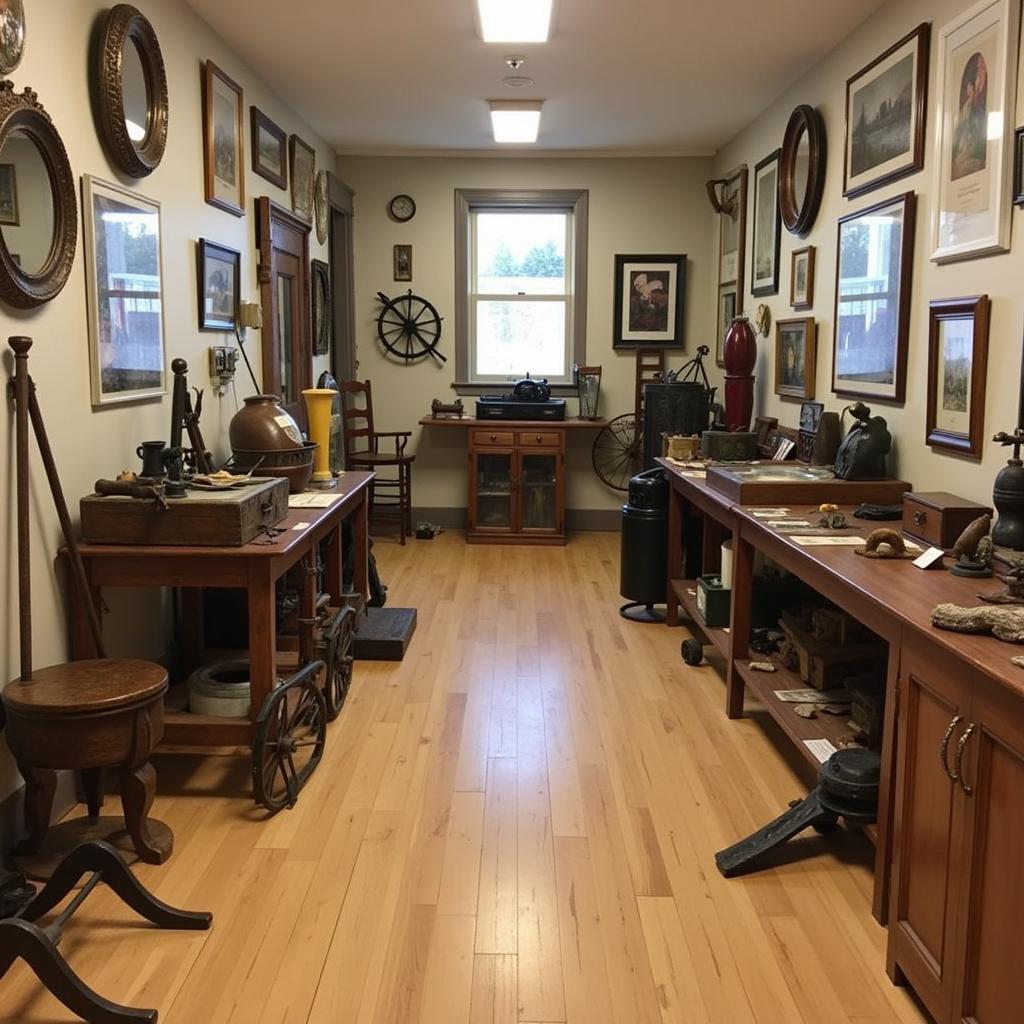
x,y
957,367
650,294
222,141
764,277
219,284
403,262
795,357
269,149
801,278
727,312
9,195
303,161
12,34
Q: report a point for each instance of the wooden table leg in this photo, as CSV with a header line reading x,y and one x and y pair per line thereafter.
x,y
360,547
334,584
262,635
887,787
674,563
192,638
739,621
92,789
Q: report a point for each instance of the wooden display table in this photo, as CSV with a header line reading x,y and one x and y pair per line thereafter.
x,y
516,492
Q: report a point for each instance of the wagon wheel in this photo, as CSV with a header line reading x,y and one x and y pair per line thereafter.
x,y
339,641
290,732
409,327
618,451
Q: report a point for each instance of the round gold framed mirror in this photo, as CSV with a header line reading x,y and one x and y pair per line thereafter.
x,y
802,169
130,90
38,206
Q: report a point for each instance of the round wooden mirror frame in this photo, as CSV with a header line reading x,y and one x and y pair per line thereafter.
x,y
799,218
23,111
122,26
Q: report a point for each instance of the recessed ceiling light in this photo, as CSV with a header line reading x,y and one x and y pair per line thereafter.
x,y
516,121
517,81
524,21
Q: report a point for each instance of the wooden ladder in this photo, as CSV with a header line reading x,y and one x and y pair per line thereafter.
x,y
650,367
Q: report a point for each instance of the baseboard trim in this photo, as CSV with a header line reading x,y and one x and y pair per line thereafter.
x,y
602,519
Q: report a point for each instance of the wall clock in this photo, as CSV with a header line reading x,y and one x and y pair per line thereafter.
x,y
402,208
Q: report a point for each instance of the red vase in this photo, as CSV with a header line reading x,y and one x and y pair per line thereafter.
x,y
740,356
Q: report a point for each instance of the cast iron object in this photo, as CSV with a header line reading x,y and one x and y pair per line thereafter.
x,y
644,547
692,651
1008,495
740,357
262,425
847,788
335,647
862,454
409,327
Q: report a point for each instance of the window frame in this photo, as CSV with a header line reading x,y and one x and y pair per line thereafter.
x,y
573,201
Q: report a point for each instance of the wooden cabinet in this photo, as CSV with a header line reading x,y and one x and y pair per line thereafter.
x,y
517,486
958,887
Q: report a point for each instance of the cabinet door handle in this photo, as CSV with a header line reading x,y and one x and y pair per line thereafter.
x,y
944,750
959,758
494,437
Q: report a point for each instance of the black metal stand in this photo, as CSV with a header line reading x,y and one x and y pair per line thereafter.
x,y
21,937
649,613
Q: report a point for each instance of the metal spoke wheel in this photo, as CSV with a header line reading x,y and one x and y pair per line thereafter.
x,y
409,327
337,644
618,451
291,730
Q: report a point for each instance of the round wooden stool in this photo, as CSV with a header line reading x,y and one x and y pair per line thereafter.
x,y
88,716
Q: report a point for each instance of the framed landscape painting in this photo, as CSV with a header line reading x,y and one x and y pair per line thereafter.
x,y
303,159
764,278
885,115
795,357
224,174
650,293
269,149
218,286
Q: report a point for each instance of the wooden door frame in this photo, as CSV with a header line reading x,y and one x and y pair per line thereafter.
x,y
342,258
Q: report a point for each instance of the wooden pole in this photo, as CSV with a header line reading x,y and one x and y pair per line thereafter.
x,y
21,345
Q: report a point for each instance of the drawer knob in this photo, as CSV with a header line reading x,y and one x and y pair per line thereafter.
x,y
494,437
920,517
538,439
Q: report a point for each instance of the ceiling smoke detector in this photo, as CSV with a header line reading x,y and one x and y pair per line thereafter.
x,y
518,82
515,61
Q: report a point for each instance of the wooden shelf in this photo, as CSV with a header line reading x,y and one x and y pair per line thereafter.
x,y
718,636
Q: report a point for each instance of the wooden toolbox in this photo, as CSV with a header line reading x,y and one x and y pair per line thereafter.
x,y
227,518
938,518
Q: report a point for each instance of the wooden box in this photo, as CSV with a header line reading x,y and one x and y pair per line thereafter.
x,y
713,601
825,664
780,483
227,518
938,518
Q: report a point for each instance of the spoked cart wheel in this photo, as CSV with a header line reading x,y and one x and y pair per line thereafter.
x,y
409,327
618,451
338,641
291,729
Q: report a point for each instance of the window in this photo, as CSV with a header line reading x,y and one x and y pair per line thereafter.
x,y
521,272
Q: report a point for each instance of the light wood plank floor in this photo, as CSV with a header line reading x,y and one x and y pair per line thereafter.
x,y
516,824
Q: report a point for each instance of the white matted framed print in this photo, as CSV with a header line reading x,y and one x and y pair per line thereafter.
x,y
223,170
764,261
977,74
650,293
124,288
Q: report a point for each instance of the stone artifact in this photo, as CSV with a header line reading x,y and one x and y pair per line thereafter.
x,y
1014,580
973,550
884,543
1005,623
862,454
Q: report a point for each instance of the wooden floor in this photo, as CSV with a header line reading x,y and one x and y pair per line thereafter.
x,y
516,824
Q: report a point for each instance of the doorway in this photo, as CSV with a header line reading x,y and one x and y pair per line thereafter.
x,y
344,363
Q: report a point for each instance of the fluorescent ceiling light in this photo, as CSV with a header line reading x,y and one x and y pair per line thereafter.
x,y
515,120
515,21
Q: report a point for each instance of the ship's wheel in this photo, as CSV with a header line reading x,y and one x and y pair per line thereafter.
x,y
409,327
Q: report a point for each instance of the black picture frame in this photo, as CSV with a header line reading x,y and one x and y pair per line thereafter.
x,y
1018,166
223,316
276,172
766,179
402,262
650,301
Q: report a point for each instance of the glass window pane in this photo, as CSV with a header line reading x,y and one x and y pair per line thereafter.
x,y
516,338
521,253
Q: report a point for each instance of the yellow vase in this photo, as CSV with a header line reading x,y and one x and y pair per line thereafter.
x,y
318,410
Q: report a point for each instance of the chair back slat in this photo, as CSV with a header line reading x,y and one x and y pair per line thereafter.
x,y
357,417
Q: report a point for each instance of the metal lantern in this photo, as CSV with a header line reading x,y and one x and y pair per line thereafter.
x,y
588,387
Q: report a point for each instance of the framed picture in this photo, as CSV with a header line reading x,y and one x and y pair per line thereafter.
x,y
124,288
219,286
269,149
222,141
650,294
886,105
303,160
795,357
957,368
320,299
764,262
12,34
810,416
403,262
729,199
801,278
973,161
1018,167
9,195
728,308
873,274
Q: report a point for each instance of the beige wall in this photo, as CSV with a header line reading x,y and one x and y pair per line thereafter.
x,y
997,276
89,443
642,206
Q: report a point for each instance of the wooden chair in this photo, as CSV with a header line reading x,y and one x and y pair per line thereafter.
x,y
362,451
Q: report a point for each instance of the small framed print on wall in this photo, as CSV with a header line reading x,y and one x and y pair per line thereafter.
x,y
269,149
795,357
801,278
224,173
727,310
957,368
402,259
218,286
650,295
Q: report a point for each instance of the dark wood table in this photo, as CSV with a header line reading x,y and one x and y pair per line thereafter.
x,y
255,567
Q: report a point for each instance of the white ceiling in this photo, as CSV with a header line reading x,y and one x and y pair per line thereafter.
x,y
661,76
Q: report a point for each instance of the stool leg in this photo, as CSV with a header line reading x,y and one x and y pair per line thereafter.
x,y
40,786
92,787
403,505
408,499
138,787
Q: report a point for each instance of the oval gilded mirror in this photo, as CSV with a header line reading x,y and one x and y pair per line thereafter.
x,y
802,169
38,207
130,90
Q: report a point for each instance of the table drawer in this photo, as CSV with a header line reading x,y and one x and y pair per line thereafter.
x,y
539,439
492,438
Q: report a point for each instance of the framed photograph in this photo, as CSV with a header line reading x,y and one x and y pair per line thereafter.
x,y
810,416
303,161
219,286
873,275
728,308
124,288
729,199
12,34
9,195
886,107
403,262
977,75
269,149
764,274
957,368
801,278
650,293
795,357
222,141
